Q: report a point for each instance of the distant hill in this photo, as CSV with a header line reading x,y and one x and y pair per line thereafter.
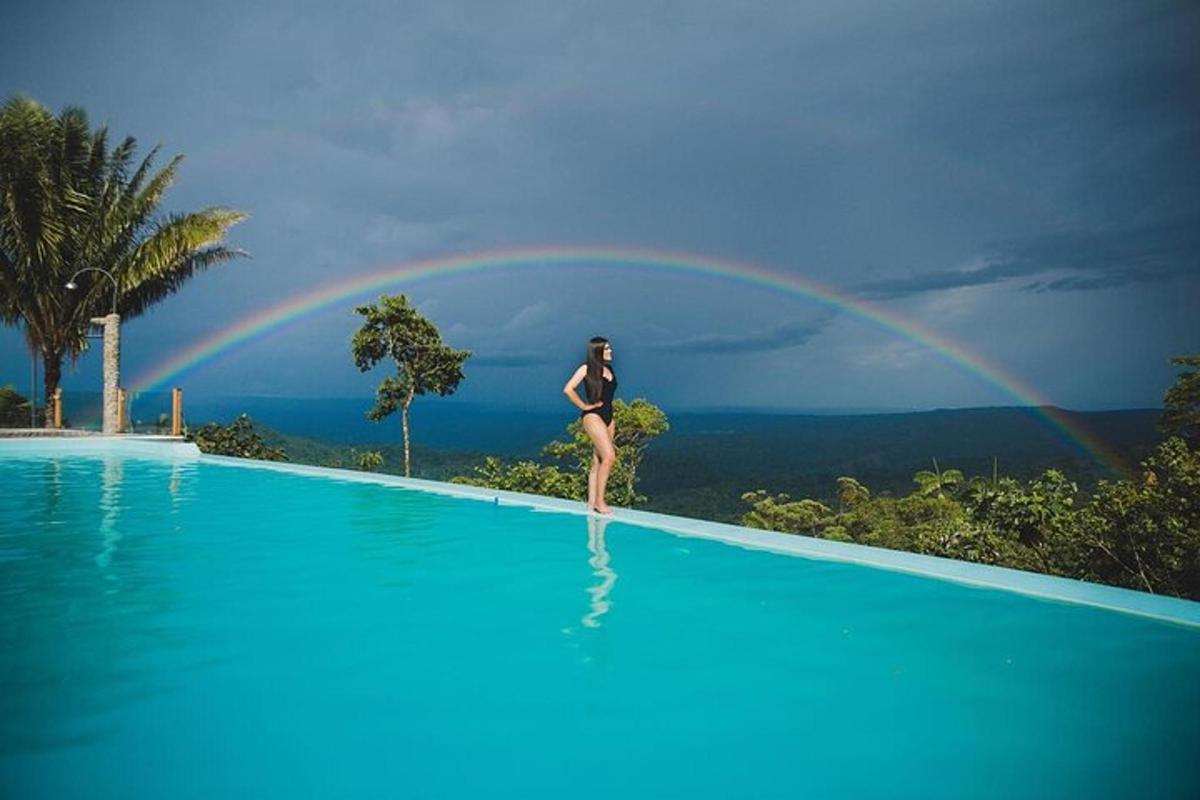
x,y
706,461
704,464
437,423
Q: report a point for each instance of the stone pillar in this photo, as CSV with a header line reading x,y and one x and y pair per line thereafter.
x,y
112,369
177,411
122,417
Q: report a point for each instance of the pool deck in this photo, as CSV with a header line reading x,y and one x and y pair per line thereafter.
x,y
1168,609
78,433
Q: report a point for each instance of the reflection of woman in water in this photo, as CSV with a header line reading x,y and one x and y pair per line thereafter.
x,y
596,416
599,563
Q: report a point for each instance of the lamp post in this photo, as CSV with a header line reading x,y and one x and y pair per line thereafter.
x,y
112,350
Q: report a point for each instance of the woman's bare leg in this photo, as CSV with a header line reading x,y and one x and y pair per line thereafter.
x,y
612,437
591,492
602,446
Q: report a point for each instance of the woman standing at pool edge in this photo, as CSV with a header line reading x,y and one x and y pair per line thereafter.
x,y
596,416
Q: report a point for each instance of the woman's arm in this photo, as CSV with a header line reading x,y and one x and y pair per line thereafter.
x,y
572,395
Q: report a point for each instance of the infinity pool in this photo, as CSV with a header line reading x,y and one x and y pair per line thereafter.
x,y
189,628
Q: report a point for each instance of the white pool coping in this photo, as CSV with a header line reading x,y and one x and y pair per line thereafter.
x,y
173,448
1048,587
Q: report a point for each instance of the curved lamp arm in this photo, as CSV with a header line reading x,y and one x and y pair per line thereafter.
x,y
72,285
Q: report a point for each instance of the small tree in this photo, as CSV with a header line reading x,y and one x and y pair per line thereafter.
x,y
851,493
424,364
14,409
239,439
368,460
1181,406
781,513
637,424
526,476
1145,533
937,481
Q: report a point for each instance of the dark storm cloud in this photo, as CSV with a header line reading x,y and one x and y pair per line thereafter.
x,y
1116,279
791,334
1112,258
919,283
1104,259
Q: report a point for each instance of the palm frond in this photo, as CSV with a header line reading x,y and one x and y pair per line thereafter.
x,y
138,299
134,185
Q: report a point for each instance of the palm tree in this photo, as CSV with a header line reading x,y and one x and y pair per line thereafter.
x,y
935,482
68,202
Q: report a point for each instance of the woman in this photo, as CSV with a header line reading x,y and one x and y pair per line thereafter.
x,y
596,416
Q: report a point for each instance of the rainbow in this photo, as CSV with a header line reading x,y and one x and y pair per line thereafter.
x,y
292,309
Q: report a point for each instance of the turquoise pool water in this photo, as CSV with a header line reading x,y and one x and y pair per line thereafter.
x,y
192,629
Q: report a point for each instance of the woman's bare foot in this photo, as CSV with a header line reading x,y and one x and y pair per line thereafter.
x,y
602,508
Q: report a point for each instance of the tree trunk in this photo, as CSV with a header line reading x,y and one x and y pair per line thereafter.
x,y
407,459
52,366
404,424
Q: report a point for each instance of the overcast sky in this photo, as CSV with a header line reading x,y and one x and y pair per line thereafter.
x,y
1020,177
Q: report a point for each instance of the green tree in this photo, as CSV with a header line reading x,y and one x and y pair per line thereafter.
x,y
637,424
1141,534
938,481
424,364
1039,521
527,476
238,439
14,409
1181,406
68,201
1145,533
367,460
851,493
781,513
920,523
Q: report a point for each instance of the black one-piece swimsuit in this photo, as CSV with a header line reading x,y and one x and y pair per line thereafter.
x,y
607,390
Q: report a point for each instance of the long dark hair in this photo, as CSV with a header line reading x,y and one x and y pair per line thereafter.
x,y
595,368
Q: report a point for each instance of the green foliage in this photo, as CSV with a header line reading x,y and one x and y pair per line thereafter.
x,y
433,464
851,493
637,424
395,330
1181,406
14,409
1141,534
937,482
238,439
781,513
1035,513
69,201
368,460
1145,533
529,477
